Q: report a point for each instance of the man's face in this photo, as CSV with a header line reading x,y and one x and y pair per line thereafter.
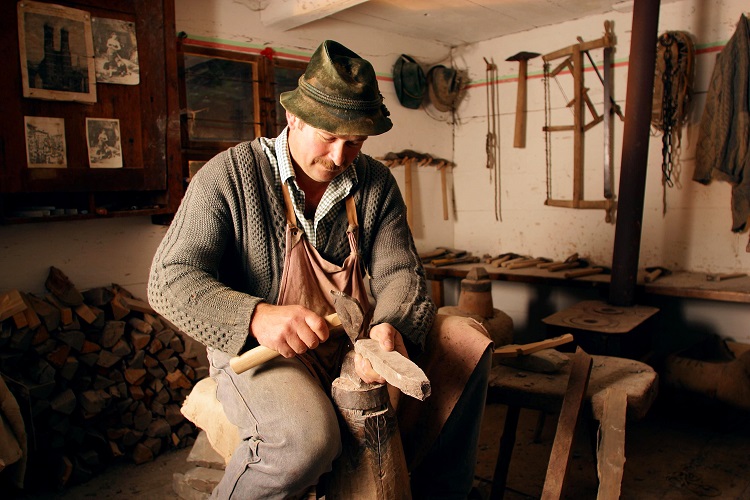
x,y
321,155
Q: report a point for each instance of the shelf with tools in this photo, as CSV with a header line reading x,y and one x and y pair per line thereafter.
x,y
724,288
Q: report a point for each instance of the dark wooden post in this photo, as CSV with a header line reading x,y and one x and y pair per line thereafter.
x,y
641,67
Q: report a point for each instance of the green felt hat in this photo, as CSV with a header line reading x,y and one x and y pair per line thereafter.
x,y
410,82
339,93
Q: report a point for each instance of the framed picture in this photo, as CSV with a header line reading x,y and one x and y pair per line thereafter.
x,y
45,142
103,138
116,51
57,52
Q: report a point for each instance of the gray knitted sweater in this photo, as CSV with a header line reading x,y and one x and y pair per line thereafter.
x,y
224,251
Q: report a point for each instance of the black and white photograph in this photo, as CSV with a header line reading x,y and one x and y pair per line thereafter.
x,y
105,148
45,142
57,52
116,51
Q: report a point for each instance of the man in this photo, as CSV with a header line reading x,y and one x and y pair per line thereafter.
x,y
264,232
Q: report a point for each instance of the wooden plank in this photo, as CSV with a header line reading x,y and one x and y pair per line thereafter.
x,y
559,461
610,454
678,284
288,14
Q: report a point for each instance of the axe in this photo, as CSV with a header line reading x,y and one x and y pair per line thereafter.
x,y
397,370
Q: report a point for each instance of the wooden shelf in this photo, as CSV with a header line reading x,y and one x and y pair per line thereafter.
x,y
678,284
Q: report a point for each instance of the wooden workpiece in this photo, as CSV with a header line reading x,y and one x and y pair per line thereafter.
x,y
567,423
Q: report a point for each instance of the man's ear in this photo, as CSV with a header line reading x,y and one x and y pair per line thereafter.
x,y
293,122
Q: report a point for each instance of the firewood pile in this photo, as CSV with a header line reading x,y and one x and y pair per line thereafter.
x,y
99,377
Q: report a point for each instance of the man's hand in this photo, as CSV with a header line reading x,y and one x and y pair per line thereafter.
x,y
390,340
289,330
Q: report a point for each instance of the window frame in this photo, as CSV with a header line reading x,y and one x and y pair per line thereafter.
x,y
264,99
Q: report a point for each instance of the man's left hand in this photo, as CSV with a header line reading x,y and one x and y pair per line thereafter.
x,y
389,339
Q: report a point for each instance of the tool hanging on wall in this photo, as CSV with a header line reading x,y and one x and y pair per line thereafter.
x,y
581,101
519,137
673,85
492,145
406,158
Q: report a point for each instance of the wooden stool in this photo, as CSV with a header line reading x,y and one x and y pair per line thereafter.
x,y
545,392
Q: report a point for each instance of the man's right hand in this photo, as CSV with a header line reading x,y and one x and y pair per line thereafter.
x,y
289,330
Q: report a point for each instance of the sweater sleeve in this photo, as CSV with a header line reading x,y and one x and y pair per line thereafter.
x,y
183,283
398,280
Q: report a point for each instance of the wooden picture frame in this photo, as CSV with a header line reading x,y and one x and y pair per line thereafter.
x,y
57,52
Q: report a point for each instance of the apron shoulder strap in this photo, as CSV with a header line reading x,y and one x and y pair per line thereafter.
x,y
291,217
351,213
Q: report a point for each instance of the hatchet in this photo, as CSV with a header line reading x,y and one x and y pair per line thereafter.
x,y
396,369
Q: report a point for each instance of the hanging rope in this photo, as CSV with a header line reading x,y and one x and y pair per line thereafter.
x,y
547,133
492,145
672,93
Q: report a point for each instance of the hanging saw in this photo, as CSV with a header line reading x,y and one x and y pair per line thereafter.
x,y
573,61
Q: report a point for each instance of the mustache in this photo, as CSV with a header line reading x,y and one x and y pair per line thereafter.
x,y
327,164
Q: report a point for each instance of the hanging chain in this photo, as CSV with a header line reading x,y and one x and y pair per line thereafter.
x,y
668,112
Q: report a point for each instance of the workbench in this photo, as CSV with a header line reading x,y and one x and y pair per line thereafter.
x,y
678,284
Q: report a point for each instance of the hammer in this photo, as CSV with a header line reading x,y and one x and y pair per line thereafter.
x,y
519,139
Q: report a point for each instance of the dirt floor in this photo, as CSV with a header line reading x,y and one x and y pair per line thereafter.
x,y
684,449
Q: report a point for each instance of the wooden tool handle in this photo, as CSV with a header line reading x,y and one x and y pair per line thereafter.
x,y
259,355
513,350
519,136
444,187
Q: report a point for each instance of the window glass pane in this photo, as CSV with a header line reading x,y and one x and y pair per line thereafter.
x,y
286,79
220,99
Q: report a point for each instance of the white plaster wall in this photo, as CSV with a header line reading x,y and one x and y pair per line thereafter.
x,y
694,234
91,253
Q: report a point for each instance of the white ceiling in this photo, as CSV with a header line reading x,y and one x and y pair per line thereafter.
x,y
451,22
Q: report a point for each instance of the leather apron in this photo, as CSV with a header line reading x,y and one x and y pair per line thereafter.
x,y
307,280
453,348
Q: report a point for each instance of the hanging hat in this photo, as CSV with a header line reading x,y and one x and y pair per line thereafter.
x,y
339,93
444,86
409,81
